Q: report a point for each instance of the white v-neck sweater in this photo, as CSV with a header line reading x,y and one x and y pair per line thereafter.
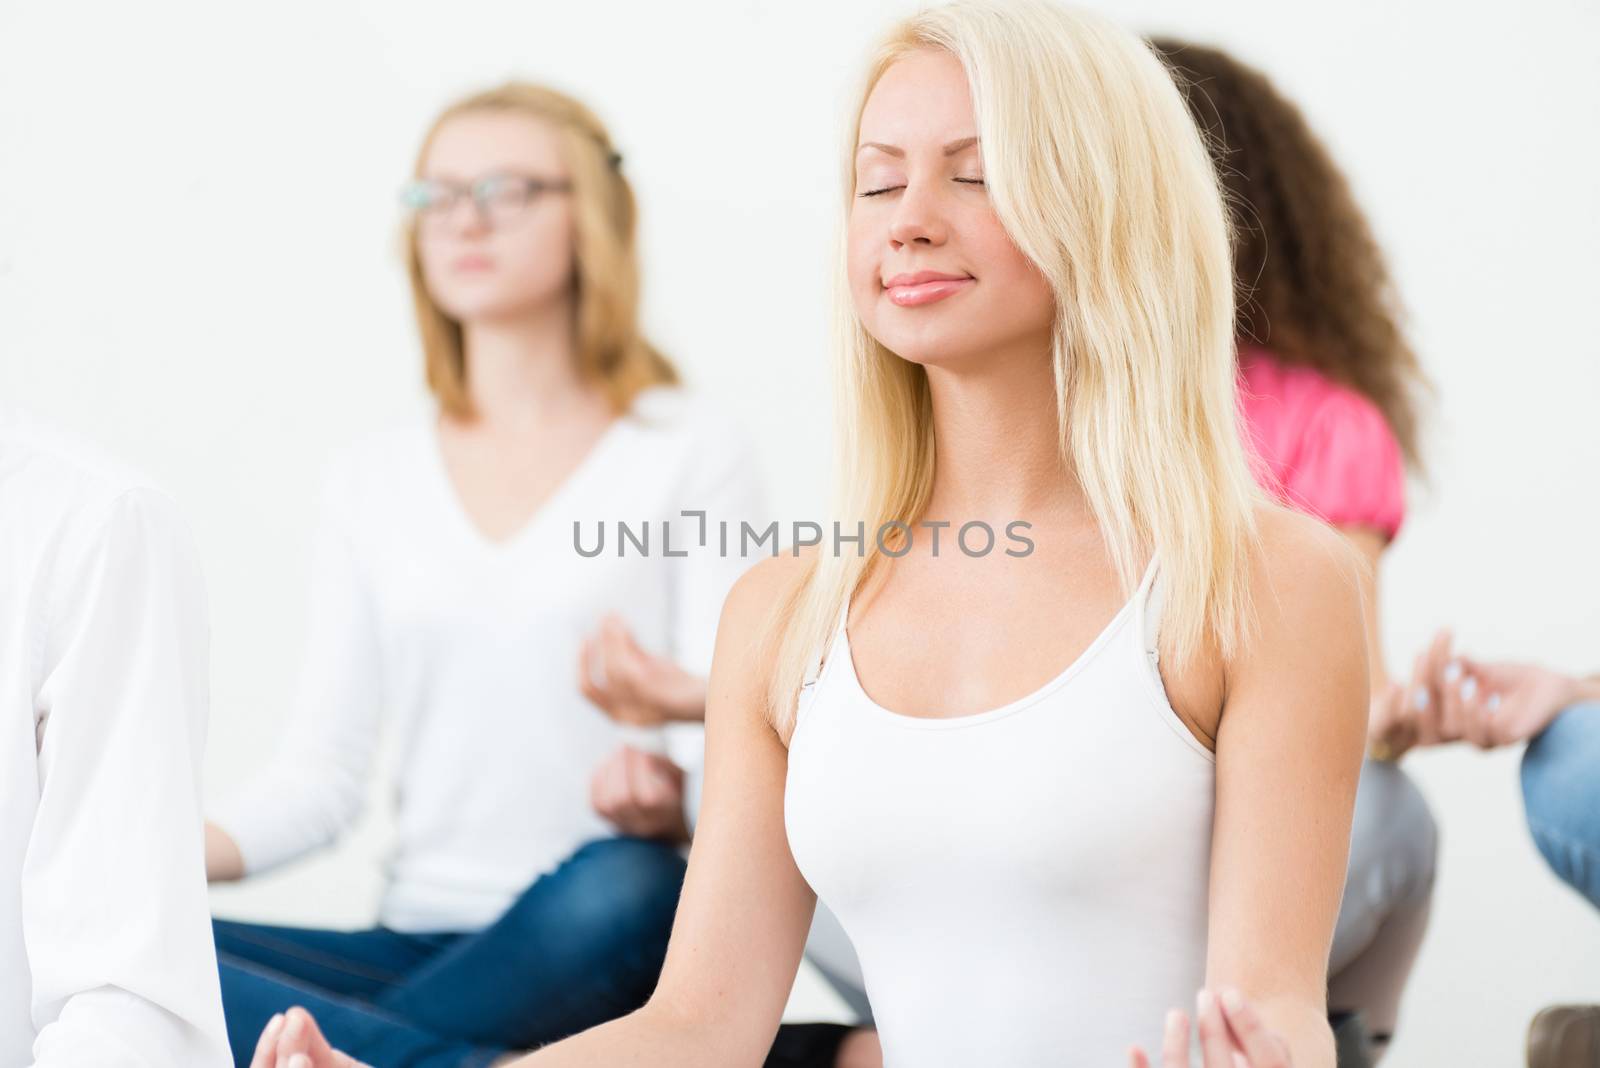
x,y
468,649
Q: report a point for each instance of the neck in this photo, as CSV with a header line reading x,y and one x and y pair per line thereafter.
x,y
523,370
997,444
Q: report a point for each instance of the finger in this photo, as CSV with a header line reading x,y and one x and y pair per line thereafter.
x,y
1474,723
267,1045
1426,720
1500,727
1261,1047
598,781
302,1038
600,660
1426,697
667,771
1385,713
637,775
651,793
649,789
622,799
1432,659
1494,676
626,797
1175,1040
1494,727
318,1051
665,776
1440,651
1137,1059
1216,1045
614,656
589,675
1451,719
1409,703
610,786
291,1041
1423,710
1391,723
631,654
597,798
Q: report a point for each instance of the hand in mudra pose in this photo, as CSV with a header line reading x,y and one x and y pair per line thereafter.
x,y
1232,1035
293,1040
640,794
634,686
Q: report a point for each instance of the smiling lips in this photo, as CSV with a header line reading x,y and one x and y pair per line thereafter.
x,y
924,287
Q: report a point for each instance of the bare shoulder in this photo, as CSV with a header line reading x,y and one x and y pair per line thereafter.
x,y
1307,621
746,634
769,583
1305,573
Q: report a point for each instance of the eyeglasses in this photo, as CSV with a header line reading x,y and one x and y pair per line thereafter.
x,y
500,199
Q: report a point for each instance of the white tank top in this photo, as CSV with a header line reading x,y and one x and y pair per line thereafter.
x,y
1025,886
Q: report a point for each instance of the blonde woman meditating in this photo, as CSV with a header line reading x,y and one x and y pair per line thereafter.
x,y
1052,795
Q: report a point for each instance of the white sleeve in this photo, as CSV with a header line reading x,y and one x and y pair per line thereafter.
x,y
725,483
114,910
315,784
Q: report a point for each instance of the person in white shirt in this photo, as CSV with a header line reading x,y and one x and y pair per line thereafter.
x,y
460,605
106,957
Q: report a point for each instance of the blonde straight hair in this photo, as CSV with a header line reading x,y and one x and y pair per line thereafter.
x,y
1102,180
612,352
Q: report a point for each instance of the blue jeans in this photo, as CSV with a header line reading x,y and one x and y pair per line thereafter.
x,y
1561,792
582,945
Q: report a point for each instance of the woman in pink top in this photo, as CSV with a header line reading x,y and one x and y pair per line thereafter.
x,y
1328,393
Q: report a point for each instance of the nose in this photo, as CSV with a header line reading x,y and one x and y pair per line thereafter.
x,y
917,218
465,218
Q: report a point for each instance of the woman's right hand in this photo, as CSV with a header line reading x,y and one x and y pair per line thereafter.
x,y
1232,1035
293,1040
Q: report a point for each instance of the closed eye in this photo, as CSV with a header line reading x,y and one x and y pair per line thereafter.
x,y
892,188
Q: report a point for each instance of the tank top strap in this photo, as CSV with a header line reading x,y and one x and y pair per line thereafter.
x,y
814,668
1151,597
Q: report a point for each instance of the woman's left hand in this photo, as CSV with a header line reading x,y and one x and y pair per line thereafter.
x,y
1232,1035
293,1040
633,686
641,794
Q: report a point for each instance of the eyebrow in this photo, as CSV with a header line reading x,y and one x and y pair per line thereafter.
x,y
899,153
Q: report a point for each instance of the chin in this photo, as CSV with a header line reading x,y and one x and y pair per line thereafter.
x,y
931,347
480,307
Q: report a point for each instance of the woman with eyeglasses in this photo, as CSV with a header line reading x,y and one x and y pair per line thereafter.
x,y
537,865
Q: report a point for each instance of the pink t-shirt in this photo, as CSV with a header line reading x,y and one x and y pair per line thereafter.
x,y
1320,447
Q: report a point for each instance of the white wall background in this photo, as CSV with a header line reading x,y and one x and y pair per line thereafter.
x,y
198,268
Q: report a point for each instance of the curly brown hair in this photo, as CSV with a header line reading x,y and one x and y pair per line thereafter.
x,y
1312,282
